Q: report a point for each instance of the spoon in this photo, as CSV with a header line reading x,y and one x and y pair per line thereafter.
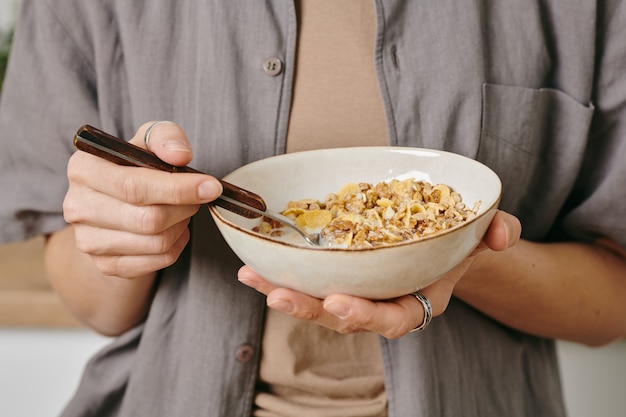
x,y
312,239
235,199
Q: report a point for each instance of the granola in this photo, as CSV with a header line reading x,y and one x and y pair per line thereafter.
x,y
364,215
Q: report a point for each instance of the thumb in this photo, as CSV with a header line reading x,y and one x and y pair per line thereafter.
x,y
504,231
166,140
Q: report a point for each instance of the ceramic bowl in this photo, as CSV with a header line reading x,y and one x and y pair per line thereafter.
x,y
375,273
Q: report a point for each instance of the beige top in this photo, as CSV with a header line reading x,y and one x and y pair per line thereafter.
x,y
306,369
336,99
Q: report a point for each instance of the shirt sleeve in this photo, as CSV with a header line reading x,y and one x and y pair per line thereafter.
x,y
49,91
597,206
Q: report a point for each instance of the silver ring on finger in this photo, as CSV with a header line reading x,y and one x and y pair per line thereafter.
x,y
428,311
146,136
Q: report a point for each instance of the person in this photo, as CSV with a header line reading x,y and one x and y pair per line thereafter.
x,y
536,91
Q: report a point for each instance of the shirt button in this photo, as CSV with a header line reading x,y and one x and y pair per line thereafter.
x,y
244,353
272,66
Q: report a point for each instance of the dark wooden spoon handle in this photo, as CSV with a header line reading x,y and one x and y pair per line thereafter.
x,y
96,142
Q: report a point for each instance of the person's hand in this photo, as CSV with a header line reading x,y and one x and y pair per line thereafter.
x,y
133,221
390,318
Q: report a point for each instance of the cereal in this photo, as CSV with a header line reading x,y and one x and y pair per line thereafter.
x,y
364,215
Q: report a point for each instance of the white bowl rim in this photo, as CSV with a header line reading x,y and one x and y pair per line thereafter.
x,y
215,210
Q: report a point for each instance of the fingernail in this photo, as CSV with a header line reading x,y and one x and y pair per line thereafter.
x,y
507,233
174,145
209,190
337,308
281,305
250,283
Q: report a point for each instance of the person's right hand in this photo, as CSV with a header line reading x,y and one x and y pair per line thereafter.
x,y
133,221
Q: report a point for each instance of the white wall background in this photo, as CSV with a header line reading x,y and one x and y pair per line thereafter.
x,y
8,9
40,368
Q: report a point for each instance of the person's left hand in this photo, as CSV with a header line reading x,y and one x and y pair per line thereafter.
x,y
390,318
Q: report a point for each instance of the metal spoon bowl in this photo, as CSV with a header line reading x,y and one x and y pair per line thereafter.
x,y
311,239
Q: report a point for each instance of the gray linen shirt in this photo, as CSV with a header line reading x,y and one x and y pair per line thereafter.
x,y
535,90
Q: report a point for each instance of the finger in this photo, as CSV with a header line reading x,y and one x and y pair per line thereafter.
x,y
293,303
308,308
88,207
166,140
391,319
126,266
105,242
249,277
348,314
503,232
141,186
344,313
